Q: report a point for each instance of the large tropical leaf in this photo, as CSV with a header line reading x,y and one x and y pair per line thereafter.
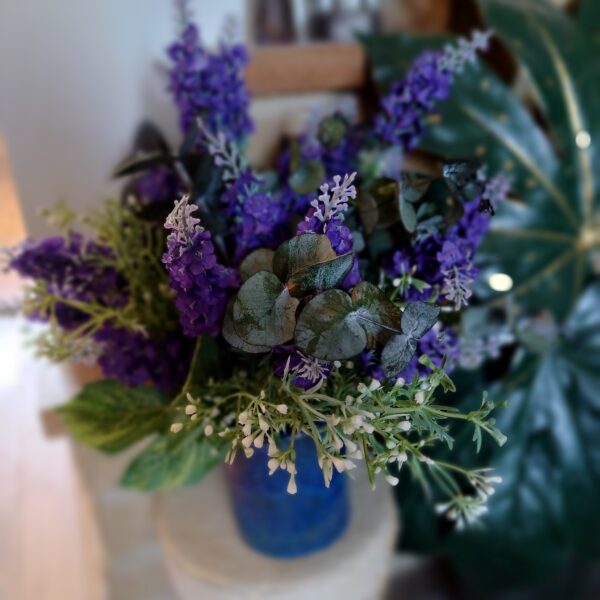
x,y
541,241
546,511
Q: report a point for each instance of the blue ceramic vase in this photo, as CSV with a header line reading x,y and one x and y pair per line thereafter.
x,y
283,525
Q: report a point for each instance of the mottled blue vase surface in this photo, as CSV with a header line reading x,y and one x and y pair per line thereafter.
x,y
283,525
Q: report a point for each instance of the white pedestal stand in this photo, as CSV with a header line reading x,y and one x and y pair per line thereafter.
x,y
207,559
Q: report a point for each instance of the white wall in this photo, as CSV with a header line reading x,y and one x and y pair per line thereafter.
x,y
76,77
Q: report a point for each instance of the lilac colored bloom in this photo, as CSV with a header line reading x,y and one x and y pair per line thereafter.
x,y
429,80
306,371
133,358
259,218
210,85
201,284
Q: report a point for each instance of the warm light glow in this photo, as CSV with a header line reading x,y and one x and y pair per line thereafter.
x,y
583,140
500,282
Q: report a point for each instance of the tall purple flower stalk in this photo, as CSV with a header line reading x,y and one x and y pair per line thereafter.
x,y
446,258
201,284
326,216
429,80
210,85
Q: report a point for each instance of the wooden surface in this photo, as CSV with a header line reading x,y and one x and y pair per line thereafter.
x,y
292,69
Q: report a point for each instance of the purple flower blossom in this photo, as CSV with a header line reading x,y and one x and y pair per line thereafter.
x,y
71,270
306,371
133,358
210,85
200,283
429,80
259,218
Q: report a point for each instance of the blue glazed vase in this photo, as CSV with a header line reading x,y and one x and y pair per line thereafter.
x,y
283,525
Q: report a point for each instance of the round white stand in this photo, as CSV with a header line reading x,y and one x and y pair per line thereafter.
x,y
207,560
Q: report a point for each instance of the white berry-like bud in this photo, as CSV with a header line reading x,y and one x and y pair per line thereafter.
x,y
176,427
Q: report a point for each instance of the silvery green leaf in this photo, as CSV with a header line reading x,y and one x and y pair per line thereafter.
x,y
381,318
413,186
231,336
397,353
418,318
264,313
308,264
408,215
327,328
259,260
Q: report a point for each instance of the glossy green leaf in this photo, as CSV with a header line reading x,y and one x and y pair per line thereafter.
x,y
264,313
307,177
171,461
546,508
110,416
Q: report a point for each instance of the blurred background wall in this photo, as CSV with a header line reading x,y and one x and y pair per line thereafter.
x,y
77,77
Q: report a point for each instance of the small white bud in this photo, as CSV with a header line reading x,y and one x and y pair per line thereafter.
x,y
337,364
404,425
243,417
176,427
375,385
247,441
393,481
259,440
399,382
247,429
282,408
208,430
292,488
190,409
249,452
420,397
402,457
396,281
349,365
264,426
273,465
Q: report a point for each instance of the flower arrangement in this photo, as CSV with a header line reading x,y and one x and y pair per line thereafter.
x,y
230,309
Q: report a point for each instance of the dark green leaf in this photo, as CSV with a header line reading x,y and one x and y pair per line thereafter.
x,y
308,177
332,130
413,186
264,313
141,163
110,416
259,260
397,353
418,318
382,317
172,461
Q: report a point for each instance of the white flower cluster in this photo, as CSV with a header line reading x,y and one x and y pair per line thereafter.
x,y
181,221
465,51
205,413
466,510
334,201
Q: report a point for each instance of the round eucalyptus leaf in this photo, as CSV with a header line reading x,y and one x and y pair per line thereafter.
x,y
397,353
308,177
231,336
418,318
259,260
326,329
264,313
